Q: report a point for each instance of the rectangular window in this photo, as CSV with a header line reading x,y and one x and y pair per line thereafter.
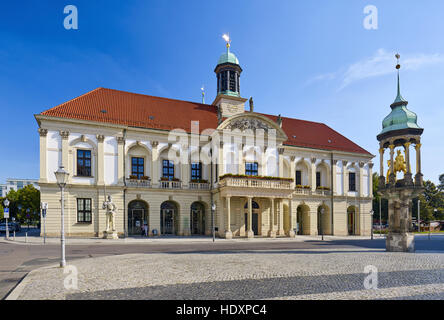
x,y
137,167
168,169
251,169
318,179
84,163
196,171
84,210
351,181
298,177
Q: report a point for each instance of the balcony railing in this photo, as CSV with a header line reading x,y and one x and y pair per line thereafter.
x,y
303,191
323,192
252,182
170,184
138,183
199,186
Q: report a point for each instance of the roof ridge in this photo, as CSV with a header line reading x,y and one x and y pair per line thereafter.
x,y
157,97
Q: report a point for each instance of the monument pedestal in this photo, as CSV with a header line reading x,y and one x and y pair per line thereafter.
x,y
250,234
228,235
272,234
110,235
400,242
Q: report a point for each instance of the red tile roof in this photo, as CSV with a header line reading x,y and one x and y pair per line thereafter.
x,y
143,111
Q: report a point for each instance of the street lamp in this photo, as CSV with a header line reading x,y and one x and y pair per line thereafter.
x,y
320,223
6,205
213,209
62,179
371,221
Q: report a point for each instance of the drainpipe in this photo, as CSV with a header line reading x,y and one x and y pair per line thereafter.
x,y
332,197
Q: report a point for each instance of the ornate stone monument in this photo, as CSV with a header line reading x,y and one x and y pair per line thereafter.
x,y
111,210
400,130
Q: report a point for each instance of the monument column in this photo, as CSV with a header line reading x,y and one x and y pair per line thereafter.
x,y
418,176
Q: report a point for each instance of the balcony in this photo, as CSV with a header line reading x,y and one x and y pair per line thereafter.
x,y
199,186
138,183
323,191
303,191
238,185
166,184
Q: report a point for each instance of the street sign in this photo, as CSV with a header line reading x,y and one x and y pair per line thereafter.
x,y
6,213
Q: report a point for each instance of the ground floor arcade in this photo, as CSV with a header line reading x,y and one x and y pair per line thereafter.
x,y
186,213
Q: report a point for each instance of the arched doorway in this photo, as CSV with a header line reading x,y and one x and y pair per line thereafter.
x,y
352,220
137,217
197,218
303,219
168,218
255,217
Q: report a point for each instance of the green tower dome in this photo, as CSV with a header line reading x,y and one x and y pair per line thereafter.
x,y
400,118
228,57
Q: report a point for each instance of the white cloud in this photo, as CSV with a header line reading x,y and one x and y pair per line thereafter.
x,y
380,64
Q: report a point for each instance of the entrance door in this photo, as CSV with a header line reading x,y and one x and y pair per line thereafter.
x,y
197,222
351,222
255,223
167,221
135,221
299,218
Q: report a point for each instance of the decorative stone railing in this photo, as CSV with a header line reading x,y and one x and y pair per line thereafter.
x,y
138,183
251,182
303,191
170,184
322,192
199,186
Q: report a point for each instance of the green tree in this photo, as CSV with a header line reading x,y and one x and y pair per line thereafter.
x,y
29,199
441,182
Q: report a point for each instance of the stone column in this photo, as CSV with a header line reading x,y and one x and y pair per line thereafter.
x,y
65,135
281,162
100,160
291,233
272,233
313,174
333,183
293,171
240,159
344,177
228,233
281,217
120,160
408,174
155,164
264,161
221,159
250,233
418,176
361,178
392,177
43,164
381,162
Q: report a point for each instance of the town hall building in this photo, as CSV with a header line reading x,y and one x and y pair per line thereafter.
x,y
183,167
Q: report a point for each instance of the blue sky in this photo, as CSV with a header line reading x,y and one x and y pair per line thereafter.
x,y
311,60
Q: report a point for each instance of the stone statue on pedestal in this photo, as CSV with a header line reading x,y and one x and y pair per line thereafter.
x,y
111,210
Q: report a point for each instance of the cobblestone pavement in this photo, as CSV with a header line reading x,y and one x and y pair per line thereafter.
x,y
267,274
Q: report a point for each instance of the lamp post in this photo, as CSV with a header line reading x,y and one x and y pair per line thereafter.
x,y
6,205
62,178
380,215
371,222
44,208
320,223
213,209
